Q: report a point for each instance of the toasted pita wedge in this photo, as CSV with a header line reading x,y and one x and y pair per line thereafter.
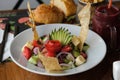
x,y
84,17
33,26
51,64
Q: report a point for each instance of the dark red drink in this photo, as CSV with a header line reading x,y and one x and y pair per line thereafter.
x,y
106,23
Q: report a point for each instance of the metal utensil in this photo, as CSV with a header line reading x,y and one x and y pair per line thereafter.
x,y
2,44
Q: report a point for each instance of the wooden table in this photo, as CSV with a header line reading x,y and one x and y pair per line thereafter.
x,y
103,71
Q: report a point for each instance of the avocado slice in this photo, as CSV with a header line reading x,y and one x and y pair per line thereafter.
x,y
62,34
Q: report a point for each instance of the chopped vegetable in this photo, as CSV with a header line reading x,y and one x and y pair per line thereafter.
x,y
76,53
29,45
84,55
36,43
33,59
50,54
80,60
71,17
85,48
35,50
53,46
64,56
66,48
62,35
27,52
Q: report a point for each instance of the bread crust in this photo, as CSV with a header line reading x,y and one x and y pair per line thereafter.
x,y
67,6
47,14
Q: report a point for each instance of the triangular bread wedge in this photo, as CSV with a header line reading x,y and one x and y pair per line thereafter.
x,y
84,17
51,64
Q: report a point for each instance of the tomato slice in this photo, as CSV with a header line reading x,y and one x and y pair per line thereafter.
x,y
50,54
53,46
66,48
27,52
36,44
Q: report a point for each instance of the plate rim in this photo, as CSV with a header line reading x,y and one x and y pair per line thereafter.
x,y
52,74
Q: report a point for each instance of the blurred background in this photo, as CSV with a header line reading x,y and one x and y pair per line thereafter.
x,y
11,4
14,4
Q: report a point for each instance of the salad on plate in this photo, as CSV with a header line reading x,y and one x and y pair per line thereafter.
x,y
59,50
57,47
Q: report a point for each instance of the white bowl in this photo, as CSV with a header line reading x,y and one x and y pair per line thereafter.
x,y
95,53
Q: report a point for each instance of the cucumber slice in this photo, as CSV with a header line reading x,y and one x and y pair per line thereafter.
x,y
33,59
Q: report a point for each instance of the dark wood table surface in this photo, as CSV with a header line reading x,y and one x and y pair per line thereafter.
x,y
103,71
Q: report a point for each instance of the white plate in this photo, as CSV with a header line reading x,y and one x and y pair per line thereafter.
x,y
96,52
7,46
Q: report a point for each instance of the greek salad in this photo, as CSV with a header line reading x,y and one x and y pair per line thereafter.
x,y
57,44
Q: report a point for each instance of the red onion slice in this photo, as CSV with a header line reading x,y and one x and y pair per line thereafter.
x,y
35,50
39,64
70,55
64,64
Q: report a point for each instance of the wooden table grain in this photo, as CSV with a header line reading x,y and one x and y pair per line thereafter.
x,y
103,71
